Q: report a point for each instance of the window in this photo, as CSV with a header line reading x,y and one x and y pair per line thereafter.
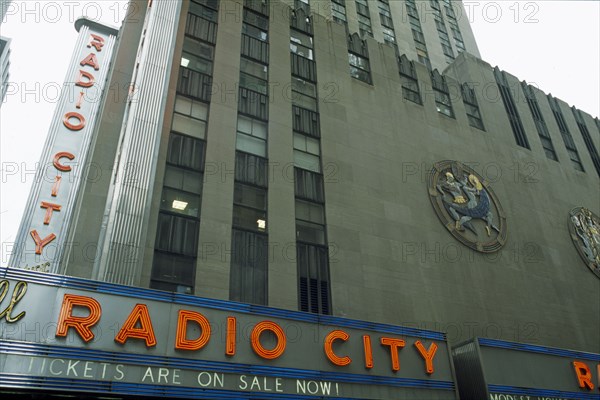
x,y
303,5
251,136
177,234
511,110
180,202
189,117
255,69
417,32
309,185
310,222
364,18
249,263
173,273
313,279
443,103
201,23
250,207
587,138
408,77
470,102
183,179
304,94
364,26
203,11
566,134
389,36
540,123
359,67
442,94
410,89
338,11
385,15
185,151
259,21
307,152
301,44
197,56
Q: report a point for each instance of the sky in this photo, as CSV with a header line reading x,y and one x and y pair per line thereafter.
x,y
551,44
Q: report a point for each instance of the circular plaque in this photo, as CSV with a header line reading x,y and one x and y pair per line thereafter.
x,y
467,206
584,227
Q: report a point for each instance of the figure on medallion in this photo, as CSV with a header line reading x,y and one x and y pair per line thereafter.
x,y
462,210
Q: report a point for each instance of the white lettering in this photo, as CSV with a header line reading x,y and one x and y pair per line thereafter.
x,y
278,384
315,386
255,383
147,374
51,369
163,373
104,365
325,387
86,369
243,384
206,377
176,380
121,375
71,367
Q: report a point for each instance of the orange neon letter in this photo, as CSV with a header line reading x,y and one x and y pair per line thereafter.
x,y
39,242
81,324
231,334
584,375
394,345
77,116
279,334
145,331
56,186
90,60
97,42
368,351
58,165
427,354
50,207
90,79
181,342
329,339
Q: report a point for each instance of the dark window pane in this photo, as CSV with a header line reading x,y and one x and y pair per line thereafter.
x,y
249,261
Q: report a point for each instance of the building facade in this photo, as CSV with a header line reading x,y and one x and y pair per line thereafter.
x,y
4,65
334,159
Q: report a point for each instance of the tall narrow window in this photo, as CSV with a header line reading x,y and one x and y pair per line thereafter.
x,y
248,276
511,109
311,242
453,23
408,77
587,139
417,32
442,31
177,233
364,18
566,134
387,24
442,94
540,123
338,11
358,57
472,107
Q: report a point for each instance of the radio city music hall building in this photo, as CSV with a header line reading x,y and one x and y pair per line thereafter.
x,y
301,200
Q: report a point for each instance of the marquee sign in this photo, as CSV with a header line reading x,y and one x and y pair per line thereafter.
x,y
108,338
50,207
500,370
